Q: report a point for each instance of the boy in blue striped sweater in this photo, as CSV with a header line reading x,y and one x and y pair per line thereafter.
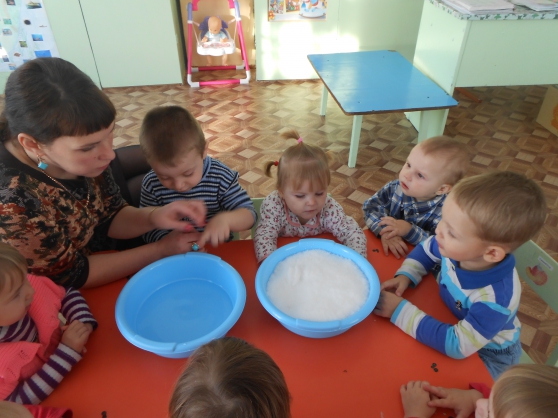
x,y
484,219
175,147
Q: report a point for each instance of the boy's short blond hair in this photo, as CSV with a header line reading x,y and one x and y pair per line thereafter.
x,y
168,133
506,208
526,391
12,265
450,153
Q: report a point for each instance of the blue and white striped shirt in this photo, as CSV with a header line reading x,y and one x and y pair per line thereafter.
x,y
391,201
485,303
218,188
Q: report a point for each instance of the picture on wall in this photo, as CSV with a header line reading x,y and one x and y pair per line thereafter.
x,y
296,10
26,33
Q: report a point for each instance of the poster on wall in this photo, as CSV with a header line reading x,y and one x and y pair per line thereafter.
x,y
26,33
290,10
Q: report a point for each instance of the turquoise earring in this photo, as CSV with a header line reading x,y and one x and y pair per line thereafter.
x,y
42,165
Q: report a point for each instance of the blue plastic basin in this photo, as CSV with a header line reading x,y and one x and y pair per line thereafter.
x,y
315,329
176,304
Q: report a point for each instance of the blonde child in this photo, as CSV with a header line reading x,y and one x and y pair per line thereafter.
x,y
230,378
484,219
523,391
14,410
175,147
35,352
300,207
408,209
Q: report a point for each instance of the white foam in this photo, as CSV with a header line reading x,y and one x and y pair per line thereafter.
x,y
317,285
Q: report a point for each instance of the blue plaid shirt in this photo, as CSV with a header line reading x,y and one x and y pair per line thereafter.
x,y
390,201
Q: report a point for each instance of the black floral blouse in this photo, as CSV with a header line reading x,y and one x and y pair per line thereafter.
x,y
48,225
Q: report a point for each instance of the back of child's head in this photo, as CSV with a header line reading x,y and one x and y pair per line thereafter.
x,y
169,133
13,266
526,391
229,378
506,208
299,163
449,153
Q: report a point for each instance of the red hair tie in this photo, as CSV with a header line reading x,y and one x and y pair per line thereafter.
x,y
276,163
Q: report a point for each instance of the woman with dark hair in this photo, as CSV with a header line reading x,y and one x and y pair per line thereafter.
x,y
58,199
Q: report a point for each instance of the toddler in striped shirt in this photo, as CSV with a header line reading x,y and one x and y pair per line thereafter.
x,y
175,147
35,351
484,219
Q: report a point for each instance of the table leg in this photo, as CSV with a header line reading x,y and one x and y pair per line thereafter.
x,y
355,139
323,104
432,123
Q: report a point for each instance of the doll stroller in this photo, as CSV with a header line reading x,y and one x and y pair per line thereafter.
x,y
216,49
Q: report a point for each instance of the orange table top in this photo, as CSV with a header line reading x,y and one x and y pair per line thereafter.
x,y
356,374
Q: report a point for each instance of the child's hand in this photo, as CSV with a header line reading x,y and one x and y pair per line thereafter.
x,y
171,216
396,245
394,227
76,335
387,304
176,242
398,284
463,402
416,400
217,230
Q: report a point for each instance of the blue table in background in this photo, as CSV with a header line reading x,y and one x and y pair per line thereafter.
x,y
377,82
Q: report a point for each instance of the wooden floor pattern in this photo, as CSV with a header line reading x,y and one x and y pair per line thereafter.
x,y
243,124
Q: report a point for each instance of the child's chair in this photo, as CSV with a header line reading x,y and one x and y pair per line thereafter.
x,y
257,201
540,272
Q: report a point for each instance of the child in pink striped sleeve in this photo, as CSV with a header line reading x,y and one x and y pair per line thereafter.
x,y
35,351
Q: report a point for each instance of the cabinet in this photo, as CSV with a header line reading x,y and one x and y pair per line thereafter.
x,y
119,42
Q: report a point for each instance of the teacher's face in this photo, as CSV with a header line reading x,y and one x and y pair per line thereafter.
x,y
71,156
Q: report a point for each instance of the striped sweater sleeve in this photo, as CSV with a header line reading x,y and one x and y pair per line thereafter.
x,y
36,388
74,307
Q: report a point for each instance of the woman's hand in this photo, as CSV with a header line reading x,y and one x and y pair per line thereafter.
x,y
177,242
171,216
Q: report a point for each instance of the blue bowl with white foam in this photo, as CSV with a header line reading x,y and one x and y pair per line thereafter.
x,y
317,329
179,303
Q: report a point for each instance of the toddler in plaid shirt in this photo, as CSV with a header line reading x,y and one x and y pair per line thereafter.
x,y
409,208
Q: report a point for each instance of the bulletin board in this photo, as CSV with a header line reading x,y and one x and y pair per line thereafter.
x,y
26,33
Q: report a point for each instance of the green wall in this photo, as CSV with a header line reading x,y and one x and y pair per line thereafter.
x,y
350,25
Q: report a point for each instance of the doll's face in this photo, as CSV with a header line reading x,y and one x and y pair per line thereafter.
x,y
214,25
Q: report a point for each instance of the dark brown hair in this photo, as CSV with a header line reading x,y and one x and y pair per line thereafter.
x,y
229,378
505,207
299,163
168,132
47,98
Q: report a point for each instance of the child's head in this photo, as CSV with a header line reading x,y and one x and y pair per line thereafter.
x,y
214,24
489,215
303,177
16,292
523,391
174,145
230,378
433,167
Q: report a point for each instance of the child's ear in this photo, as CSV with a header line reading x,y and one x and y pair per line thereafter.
x,y
444,189
494,253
